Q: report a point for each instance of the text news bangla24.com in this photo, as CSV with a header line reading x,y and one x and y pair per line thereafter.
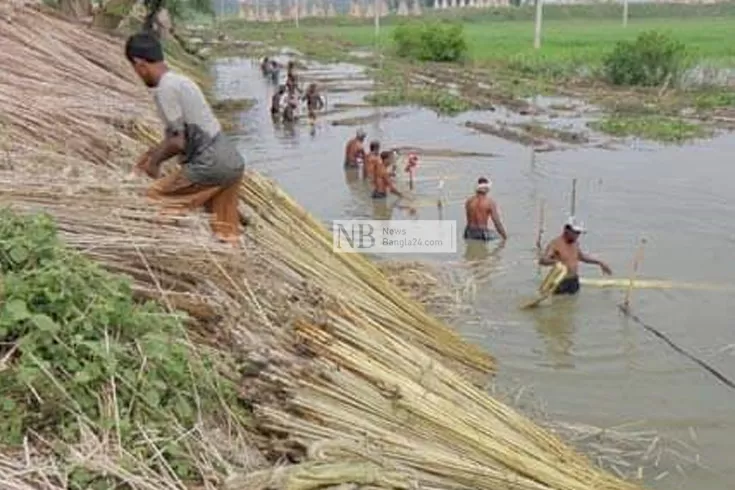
x,y
400,236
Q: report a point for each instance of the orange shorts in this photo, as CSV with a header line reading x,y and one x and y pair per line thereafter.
x,y
178,194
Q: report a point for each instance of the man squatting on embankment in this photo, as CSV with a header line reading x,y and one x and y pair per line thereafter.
x,y
211,167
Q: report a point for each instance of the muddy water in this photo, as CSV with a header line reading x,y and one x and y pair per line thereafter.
x,y
587,362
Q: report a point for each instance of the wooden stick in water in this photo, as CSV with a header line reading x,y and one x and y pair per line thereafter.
x,y
574,197
636,264
540,225
440,188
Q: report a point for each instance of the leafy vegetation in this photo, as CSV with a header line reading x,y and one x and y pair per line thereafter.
x,y
443,103
714,99
430,41
653,59
658,128
184,9
78,352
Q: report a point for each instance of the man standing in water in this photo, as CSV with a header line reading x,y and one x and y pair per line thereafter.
x,y
289,112
355,151
480,209
211,168
372,160
265,67
276,102
382,181
292,81
314,101
565,249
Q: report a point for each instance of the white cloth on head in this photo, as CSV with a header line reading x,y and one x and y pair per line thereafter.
x,y
575,225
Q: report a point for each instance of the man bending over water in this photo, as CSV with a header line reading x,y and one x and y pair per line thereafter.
x,y
211,168
355,151
480,209
382,181
565,249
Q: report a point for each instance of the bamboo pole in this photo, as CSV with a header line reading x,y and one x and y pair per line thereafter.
x,y
541,218
574,198
539,21
634,270
377,54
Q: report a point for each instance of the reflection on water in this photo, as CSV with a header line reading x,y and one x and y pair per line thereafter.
x,y
587,362
382,210
555,327
478,252
289,130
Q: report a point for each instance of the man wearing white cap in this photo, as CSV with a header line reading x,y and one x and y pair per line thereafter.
x,y
480,209
565,249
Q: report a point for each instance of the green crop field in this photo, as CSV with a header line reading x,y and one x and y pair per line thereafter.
x,y
568,41
571,40
572,35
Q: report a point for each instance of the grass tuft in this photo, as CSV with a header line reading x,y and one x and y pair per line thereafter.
x,y
651,127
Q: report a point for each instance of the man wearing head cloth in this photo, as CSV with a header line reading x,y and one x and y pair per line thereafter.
x,y
211,167
355,150
565,249
480,210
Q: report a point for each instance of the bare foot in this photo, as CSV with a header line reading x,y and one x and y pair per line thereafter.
x,y
232,240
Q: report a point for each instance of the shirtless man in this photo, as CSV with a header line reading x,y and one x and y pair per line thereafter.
x,y
289,112
382,181
274,71
314,101
354,151
292,82
565,249
480,209
372,160
265,66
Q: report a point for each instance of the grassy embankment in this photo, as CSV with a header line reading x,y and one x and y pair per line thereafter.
x,y
500,54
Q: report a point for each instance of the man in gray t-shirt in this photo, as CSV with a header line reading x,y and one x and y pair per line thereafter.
x,y
211,168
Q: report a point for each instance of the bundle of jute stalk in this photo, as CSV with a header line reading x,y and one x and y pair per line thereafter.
x,y
110,211
66,91
373,393
358,280
363,381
